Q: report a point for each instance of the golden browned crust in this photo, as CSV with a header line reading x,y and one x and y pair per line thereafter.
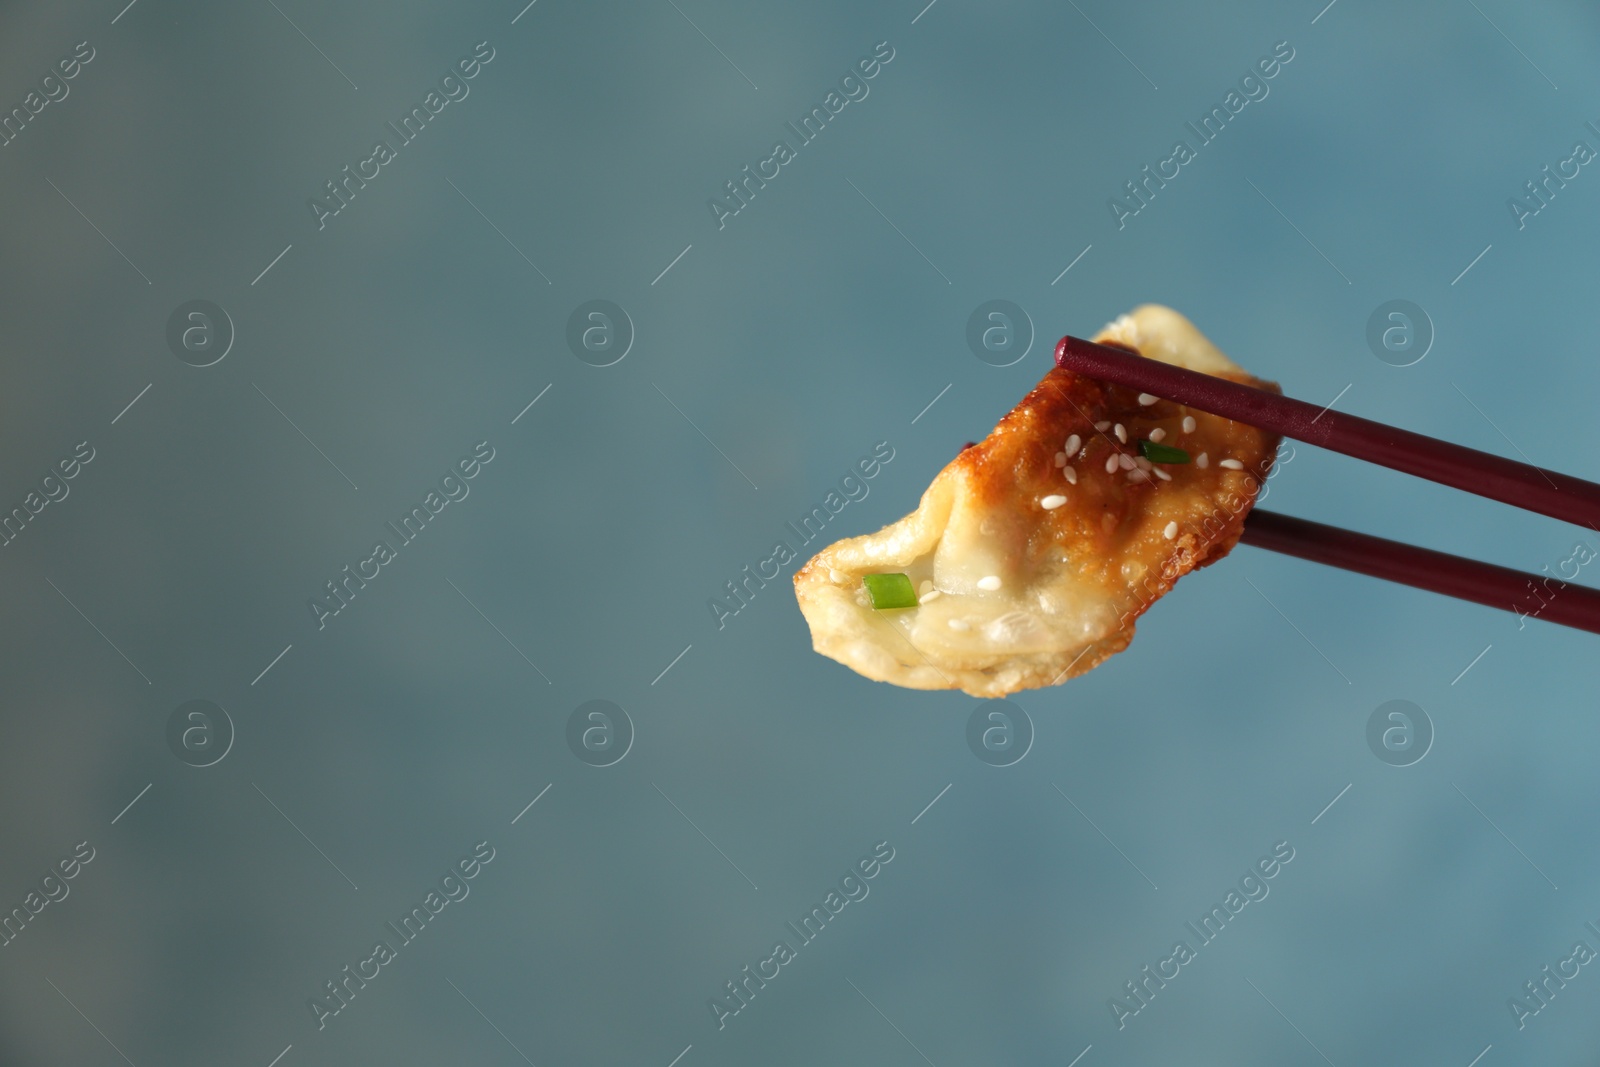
x,y
1072,578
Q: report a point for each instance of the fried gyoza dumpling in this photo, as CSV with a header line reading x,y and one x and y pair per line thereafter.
x,y
1033,551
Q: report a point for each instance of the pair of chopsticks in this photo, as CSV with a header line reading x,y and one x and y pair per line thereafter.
x,y
1522,485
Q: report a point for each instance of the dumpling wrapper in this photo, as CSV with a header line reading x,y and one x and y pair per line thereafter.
x,y
1027,595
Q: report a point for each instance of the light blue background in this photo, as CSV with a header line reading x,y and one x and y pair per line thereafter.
x,y
794,338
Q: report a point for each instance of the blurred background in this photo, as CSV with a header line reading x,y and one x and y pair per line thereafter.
x,y
261,385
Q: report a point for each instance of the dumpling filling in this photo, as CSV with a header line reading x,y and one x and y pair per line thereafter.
x,y
1033,551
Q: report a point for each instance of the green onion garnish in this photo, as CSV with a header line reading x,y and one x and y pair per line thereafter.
x,y
1159,453
890,591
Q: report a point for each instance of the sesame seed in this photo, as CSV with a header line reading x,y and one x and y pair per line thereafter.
x,y
959,624
932,594
1203,460
1137,475
1073,443
1142,463
1146,399
1072,475
1103,425
1061,459
1171,531
1121,432
1188,424
989,583
1111,464
1231,464
1126,461
1053,501
1163,475
1157,434
925,587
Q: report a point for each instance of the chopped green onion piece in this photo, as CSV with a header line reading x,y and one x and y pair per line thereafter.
x,y
890,591
1159,453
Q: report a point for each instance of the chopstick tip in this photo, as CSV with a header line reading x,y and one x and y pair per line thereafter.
x,y
1061,350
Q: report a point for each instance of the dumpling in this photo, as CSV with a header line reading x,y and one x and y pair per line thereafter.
x,y
1034,550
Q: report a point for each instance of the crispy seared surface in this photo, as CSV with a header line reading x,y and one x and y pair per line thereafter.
x,y
1029,595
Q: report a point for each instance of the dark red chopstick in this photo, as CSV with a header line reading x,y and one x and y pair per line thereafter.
x,y
1547,492
1535,595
